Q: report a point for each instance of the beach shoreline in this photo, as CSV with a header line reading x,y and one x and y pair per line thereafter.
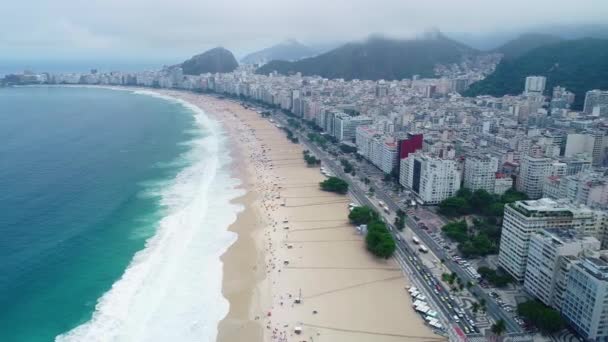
x,y
280,252
295,241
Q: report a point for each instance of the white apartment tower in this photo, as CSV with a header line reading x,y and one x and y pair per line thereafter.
x,y
550,256
532,175
535,84
431,179
585,299
345,126
523,218
596,102
480,173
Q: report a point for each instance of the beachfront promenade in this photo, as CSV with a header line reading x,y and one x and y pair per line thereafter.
x,y
295,242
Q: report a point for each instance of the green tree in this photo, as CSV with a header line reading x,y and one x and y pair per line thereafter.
x,y
499,327
347,148
511,196
362,215
334,184
454,206
546,319
480,201
498,279
482,304
379,241
456,231
464,193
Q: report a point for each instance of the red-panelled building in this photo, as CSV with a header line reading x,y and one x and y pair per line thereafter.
x,y
410,145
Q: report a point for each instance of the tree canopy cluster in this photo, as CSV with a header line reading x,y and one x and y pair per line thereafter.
x,y
310,159
546,319
348,167
478,202
317,139
494,277
334,184
484,236
290,135
378,240
363,215
479,240
294,123
347,148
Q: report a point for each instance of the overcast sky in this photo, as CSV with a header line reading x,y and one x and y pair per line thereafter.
x,y
173,29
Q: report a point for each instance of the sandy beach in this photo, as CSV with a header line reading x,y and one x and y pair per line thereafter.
x,y
294,239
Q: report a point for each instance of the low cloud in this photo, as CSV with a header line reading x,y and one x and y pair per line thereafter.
x,y
163,28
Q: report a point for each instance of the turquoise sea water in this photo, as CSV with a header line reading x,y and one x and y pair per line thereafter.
x,y
81,172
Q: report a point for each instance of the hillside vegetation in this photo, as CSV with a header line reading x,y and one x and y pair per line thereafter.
x,y
579,65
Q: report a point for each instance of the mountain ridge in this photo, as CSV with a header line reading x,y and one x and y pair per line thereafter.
x,y
378,58
525,43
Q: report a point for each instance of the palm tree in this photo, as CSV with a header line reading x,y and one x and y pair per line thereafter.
x,y
475,307
498,328
482,304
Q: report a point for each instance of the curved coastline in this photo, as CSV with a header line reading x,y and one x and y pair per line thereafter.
x,y
252,284
159,296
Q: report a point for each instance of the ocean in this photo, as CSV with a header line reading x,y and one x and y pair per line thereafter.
x,y
107,227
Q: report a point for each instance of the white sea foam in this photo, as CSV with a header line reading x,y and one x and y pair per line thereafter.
x,y
171,291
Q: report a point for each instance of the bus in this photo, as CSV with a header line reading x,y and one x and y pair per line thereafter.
x,y
416,241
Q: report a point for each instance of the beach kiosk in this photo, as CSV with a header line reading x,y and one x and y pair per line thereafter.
x,y
298,299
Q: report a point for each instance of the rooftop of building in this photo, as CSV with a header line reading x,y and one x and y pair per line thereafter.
x,y
560,207
561,236
597,267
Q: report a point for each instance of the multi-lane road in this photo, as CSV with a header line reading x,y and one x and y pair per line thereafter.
x,y
450,312
440,299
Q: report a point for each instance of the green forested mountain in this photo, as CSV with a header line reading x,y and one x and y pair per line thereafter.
x,y
579,65
526,43
214,60
378,58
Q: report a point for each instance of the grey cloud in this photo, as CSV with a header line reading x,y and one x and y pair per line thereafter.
x,y
183,27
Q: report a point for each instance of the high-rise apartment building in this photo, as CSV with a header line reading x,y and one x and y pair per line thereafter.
x,y
532,175
535,84
345,126
596,102
523,218
585,304
432,179
480,172
550,256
